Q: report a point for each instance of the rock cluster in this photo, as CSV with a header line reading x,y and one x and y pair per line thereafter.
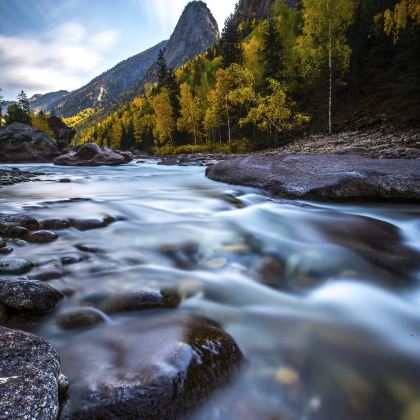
x,y
90,154
15,176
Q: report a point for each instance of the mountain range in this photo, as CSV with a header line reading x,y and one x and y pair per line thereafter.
x,y
195,32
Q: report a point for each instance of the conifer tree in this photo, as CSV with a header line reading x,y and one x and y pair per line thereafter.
x,y
23,105
230,43
272,51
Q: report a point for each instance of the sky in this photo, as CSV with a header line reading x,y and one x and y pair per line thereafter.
x,y
49,45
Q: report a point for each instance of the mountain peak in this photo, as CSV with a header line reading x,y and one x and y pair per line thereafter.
x,y
196,31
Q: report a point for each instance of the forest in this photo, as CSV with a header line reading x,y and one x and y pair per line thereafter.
x,y
317,66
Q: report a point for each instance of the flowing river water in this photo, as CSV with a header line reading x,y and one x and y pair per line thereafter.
x,y
322,299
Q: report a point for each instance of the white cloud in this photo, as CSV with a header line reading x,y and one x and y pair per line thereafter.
x,y
65,57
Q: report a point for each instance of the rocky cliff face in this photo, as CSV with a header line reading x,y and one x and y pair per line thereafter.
x,y
44,102
195,32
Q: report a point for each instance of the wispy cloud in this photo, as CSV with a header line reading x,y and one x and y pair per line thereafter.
x,y
64,57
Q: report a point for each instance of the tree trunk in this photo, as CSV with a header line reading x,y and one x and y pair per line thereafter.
x,y
228,119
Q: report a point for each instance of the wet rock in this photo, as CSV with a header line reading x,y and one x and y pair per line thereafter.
x,y
20,243
324,176
91,154
71,259
55,224
152,368
90,249
63,387
48,275
41,236
6,250
64,181
2,243
18,232
15,266
28,295
15,176
22,143
81,317
134,301
378,242
27,222
29,371
89,224
270,271
184,255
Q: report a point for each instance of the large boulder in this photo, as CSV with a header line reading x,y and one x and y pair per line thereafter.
x,y
22,143
324,176
90,154
156,367
29,377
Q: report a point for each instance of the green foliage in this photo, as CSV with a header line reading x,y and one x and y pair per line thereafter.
x,y
20,112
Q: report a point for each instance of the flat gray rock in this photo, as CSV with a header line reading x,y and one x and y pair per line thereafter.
x,y
22,143
29,373
324,177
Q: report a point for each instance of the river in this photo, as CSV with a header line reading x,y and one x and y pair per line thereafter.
x,y
323,299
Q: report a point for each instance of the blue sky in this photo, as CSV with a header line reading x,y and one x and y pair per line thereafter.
x,y
48,45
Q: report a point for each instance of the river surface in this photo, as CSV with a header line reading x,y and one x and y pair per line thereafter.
x,y
323,299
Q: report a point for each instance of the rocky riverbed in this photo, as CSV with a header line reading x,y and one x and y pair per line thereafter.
x,y
180,297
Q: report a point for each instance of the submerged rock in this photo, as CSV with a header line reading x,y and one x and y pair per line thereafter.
x,y
156,367
28,295
134,301
15,266
324,176
91,154
81,317
22,143
29,373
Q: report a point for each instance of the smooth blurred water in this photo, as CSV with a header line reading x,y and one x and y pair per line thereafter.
x,y
323,299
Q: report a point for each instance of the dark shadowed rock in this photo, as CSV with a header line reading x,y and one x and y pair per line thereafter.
x,y
27,222
324,176
81,317
91,154
15,266
157,367
29,372
22,143
28,295
55,224
134,301
41,236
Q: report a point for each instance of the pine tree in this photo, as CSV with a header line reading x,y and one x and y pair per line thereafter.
x,y
272,51
163,70
23,105
230,43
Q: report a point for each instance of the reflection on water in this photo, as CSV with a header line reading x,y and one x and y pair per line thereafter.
x,y
322,299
